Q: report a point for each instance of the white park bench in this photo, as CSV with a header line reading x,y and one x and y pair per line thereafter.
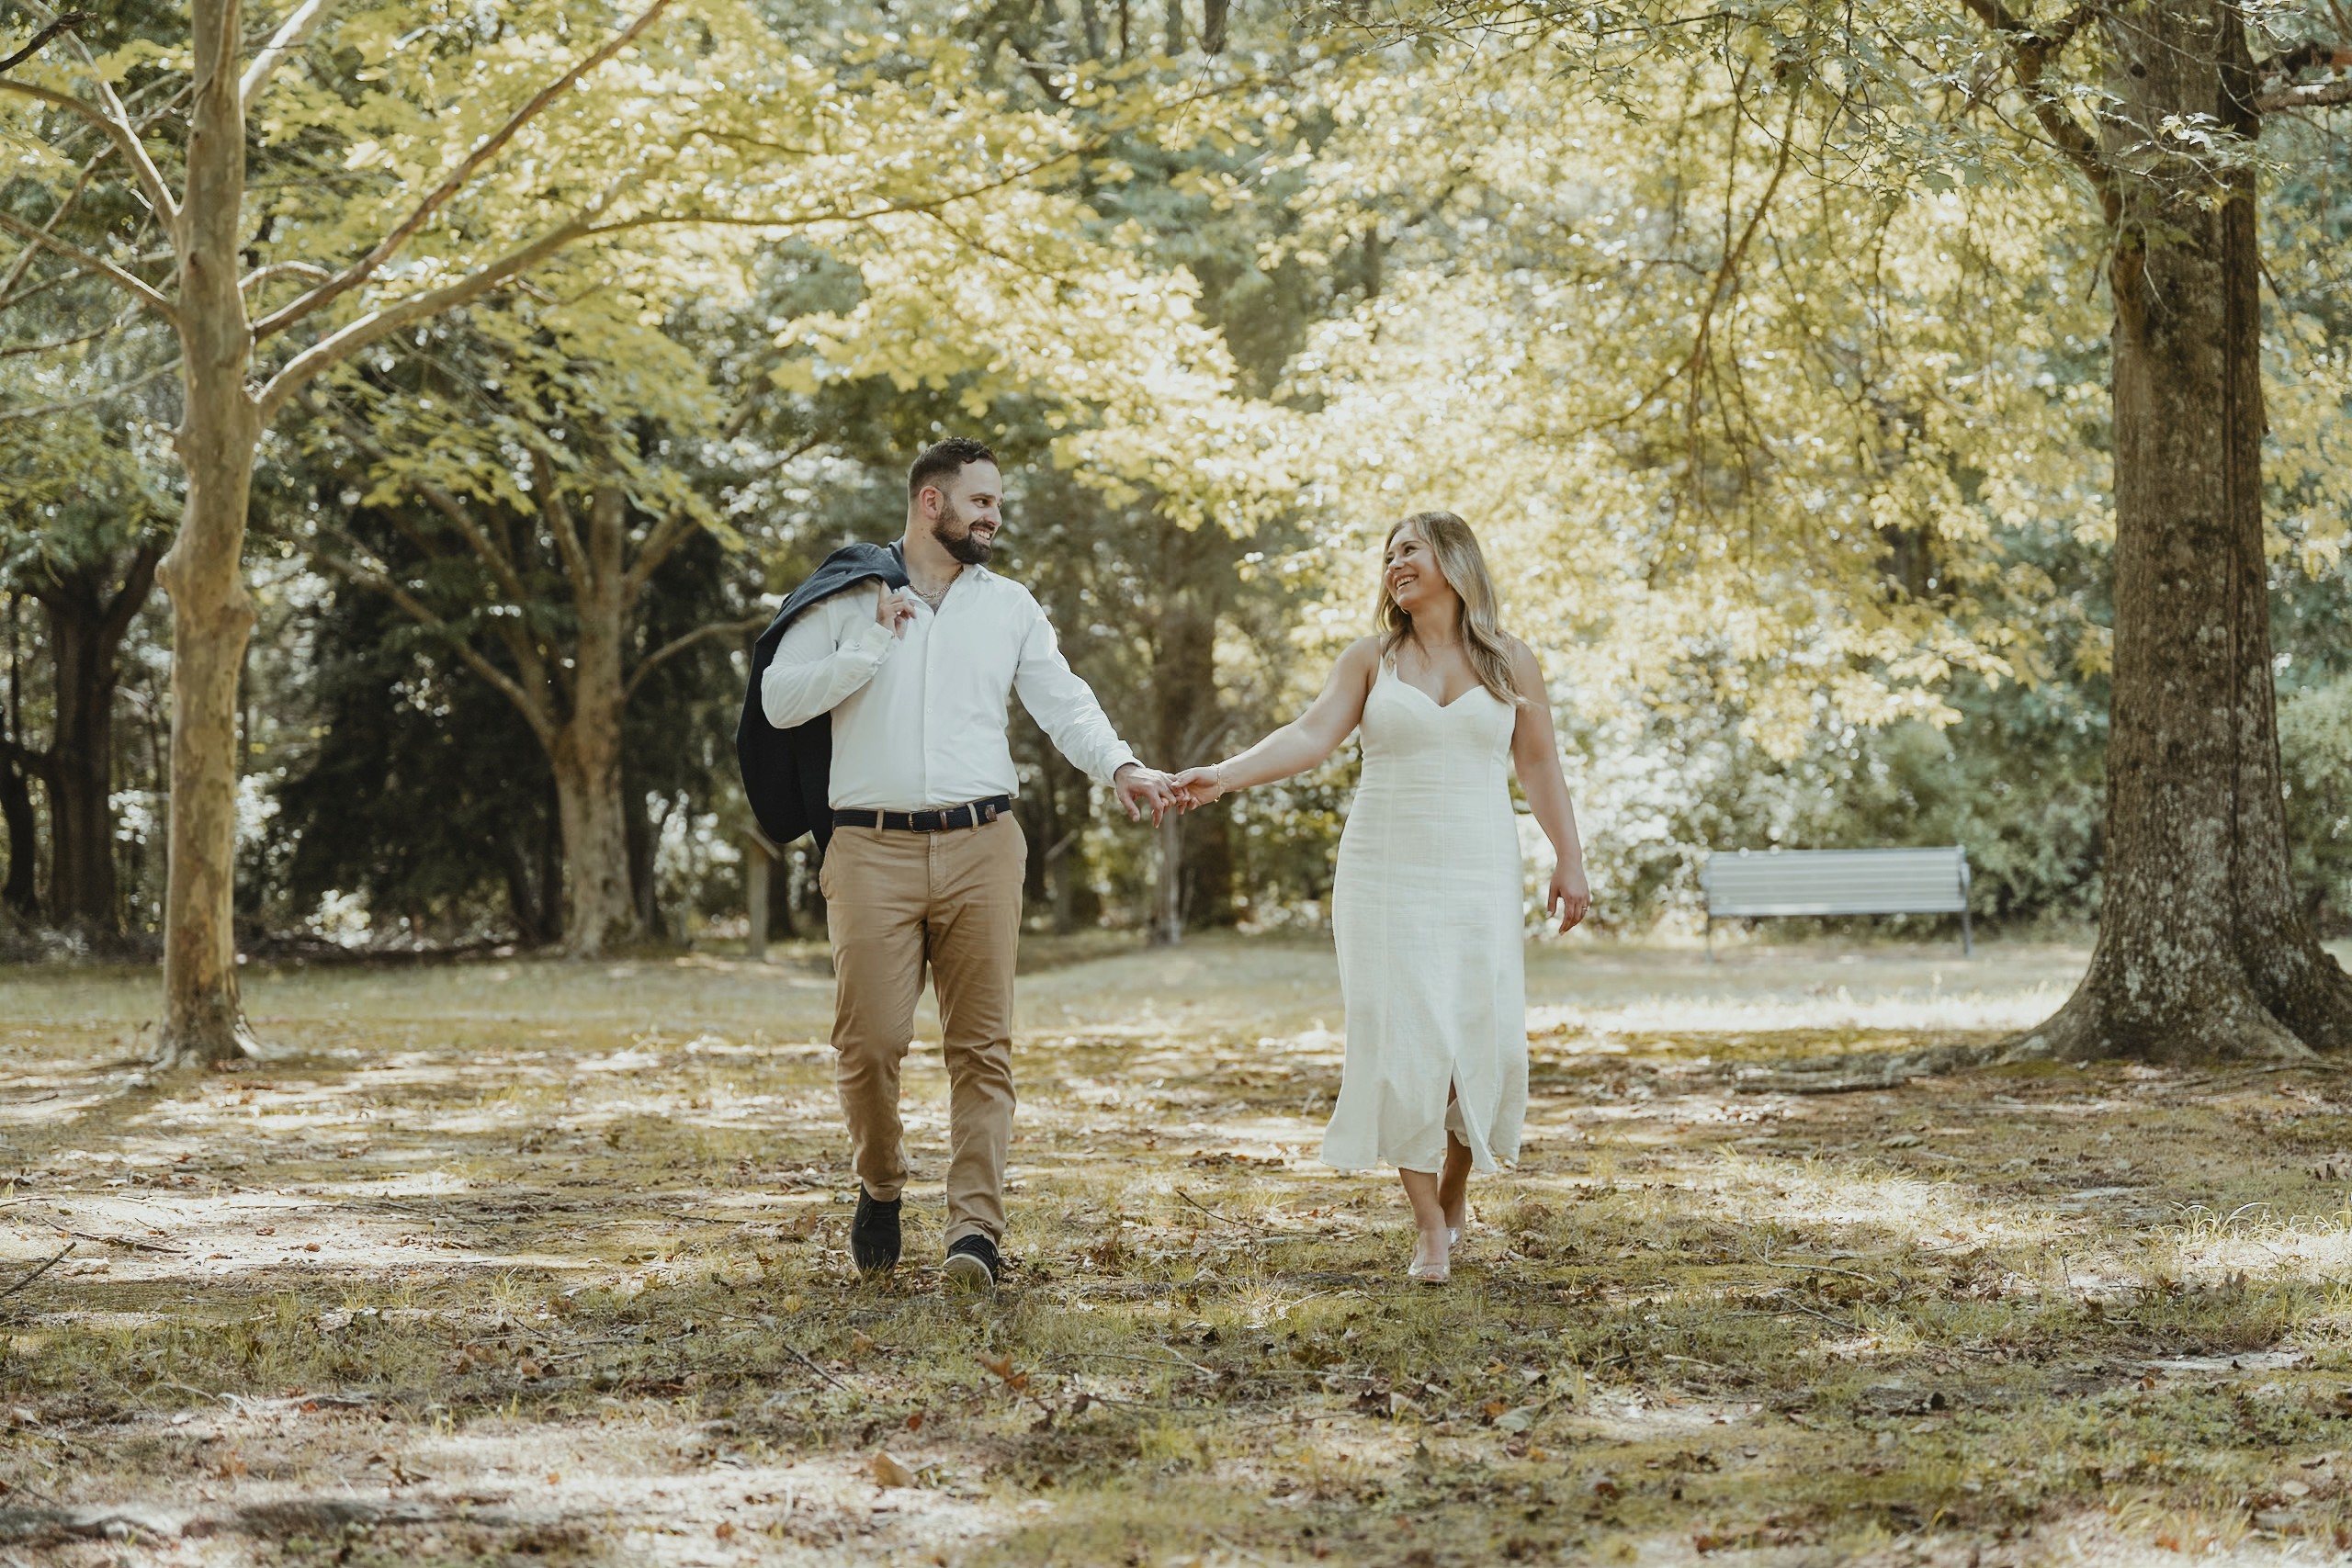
x,y
1837,882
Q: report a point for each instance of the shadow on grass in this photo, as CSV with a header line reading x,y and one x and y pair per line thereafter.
x,y
535,1278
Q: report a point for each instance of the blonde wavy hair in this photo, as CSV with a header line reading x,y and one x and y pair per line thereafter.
x,y
1464,566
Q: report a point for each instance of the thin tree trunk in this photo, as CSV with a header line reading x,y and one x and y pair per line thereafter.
x,y
2203,951
81,768
89,612
21,893
211,615
1167,884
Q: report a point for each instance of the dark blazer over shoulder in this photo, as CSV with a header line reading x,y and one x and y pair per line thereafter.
x,y
787,772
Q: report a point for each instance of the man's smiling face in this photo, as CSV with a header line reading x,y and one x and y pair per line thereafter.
x,y
970,511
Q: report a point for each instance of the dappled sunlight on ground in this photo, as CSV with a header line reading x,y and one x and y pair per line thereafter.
x,y
527,1262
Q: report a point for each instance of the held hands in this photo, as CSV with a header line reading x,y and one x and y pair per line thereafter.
x,y
1139,787
1198,786
1568,895
892,609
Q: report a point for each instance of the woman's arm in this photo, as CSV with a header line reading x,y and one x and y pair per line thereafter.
x,y
1535,755
1304,741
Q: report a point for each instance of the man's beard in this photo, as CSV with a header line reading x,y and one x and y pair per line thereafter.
x,y
965,548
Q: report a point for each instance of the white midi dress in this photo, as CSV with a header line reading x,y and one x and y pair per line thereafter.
x,y
1425,907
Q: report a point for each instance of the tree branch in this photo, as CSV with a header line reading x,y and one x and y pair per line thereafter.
x,y
2032,51
16,351
667,535
289,38
64,24
501,569
41,765
542,724
64,205
336,347
529,657
679,645
366,266
559,521
260,276
2311,96
67,405
117,131
9,295
138,582
144,292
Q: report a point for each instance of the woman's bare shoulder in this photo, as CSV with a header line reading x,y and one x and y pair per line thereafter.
x,y
1359,660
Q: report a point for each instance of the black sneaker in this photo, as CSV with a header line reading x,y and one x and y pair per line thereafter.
x,y
874,1233
972,1265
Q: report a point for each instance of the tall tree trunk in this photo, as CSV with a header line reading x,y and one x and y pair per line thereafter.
x,y
21,893
597,904
587,748
211,615
2203,951
90,610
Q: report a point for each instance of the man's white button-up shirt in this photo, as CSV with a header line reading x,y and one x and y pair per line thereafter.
x,y
919,718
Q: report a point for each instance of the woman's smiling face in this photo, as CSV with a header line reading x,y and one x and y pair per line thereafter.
x,y
1414,578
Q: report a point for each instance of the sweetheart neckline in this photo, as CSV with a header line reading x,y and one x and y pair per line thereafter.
x,y
1397,676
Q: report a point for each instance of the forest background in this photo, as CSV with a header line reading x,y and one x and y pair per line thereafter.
x,y
1796,472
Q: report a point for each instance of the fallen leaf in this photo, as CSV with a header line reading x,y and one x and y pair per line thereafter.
x,y
1002,1367
914,1422
860,1342
888,1470
725,1531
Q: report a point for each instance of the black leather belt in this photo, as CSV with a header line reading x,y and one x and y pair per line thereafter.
x,y
971,814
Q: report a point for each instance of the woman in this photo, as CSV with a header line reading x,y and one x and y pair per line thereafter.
x,y
1426,905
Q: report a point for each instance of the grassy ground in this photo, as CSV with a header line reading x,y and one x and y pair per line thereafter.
x,y
522,1262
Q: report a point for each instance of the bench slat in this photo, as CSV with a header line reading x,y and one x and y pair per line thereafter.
x,y
1837,882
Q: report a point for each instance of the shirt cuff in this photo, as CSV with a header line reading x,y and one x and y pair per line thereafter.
x,y
872,639
1119,759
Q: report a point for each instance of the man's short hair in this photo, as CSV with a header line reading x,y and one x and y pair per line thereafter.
x,y
944,460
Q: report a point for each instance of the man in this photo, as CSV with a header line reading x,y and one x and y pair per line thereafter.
x,y
926,859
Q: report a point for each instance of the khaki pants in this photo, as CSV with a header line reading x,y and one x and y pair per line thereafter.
x,y
894,901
